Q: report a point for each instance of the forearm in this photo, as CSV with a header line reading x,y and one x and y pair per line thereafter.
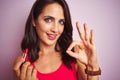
x,y
93,78
93,70
82,75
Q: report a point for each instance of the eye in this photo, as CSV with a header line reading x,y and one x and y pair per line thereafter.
x,y
62,22
48,20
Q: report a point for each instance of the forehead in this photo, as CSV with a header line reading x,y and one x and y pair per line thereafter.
x,y
54,10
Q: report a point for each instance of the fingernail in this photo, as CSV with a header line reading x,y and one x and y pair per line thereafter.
x,y
22,59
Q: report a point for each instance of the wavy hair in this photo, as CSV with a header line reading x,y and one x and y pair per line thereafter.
x,y
31,41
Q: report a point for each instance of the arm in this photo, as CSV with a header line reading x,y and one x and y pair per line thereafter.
x,y
81,75
85,54
81,72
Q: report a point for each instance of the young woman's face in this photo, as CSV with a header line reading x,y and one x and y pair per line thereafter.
x,y
50,24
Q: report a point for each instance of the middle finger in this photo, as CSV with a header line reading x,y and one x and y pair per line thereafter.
x,y
80,32
86,36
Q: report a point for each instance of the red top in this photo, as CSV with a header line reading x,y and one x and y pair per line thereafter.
x,y
62,73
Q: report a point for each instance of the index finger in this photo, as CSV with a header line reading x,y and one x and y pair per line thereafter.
x,y
72,45
17,64
79,31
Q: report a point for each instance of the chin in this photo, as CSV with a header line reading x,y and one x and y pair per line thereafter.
x,y
51,43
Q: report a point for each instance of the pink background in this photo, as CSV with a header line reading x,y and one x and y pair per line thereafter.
x,y
101,15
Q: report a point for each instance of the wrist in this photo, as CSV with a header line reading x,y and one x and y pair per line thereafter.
x,y
93,70
94,67
93,64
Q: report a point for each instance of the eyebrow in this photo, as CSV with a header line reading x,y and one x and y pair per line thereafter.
x,y
48,17
52,17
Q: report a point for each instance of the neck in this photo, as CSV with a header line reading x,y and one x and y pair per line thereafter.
x,y
46,49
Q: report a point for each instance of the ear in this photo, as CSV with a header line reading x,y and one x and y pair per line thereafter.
x,y
33,23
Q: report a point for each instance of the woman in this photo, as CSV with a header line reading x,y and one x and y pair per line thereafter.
x,y
52,53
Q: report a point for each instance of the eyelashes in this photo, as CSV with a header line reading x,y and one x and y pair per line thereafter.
x,y
51,19
62,22
48,20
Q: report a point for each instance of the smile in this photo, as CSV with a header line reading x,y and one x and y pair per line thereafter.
x,y
51,36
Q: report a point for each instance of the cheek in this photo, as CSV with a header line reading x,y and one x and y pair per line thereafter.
x,y
61,29
42,28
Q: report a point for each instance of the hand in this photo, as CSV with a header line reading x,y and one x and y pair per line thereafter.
x,y
27,72
84,50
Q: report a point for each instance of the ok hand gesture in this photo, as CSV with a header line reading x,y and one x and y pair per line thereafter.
x,y
84,50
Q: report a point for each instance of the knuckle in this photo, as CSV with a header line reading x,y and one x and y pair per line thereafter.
x,y
14,69
30,67
21,78
34,72
26,64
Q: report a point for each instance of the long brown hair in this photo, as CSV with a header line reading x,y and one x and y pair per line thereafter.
x,y
31,41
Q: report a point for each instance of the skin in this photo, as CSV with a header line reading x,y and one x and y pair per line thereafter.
x,y
49,27
85,52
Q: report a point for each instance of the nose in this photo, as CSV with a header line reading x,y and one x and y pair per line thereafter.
x,y
55,27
